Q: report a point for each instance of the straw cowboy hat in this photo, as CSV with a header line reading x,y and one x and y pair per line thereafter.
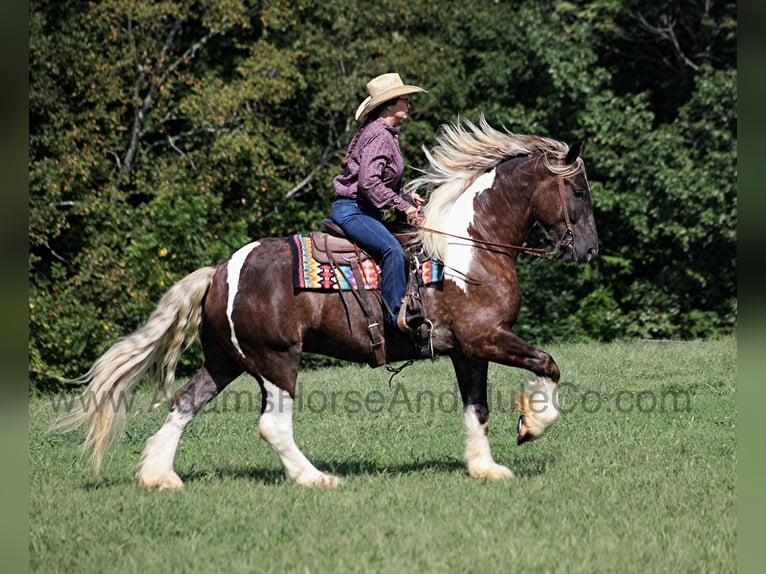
x,y
381,89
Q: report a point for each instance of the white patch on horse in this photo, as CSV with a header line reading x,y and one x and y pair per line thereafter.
x,y
234,269
477,451
276,428
459,254
155,470
478,456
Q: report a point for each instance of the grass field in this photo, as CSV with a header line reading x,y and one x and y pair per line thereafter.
x,y
638,475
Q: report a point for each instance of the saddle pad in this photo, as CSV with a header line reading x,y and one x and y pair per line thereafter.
x,y
310,275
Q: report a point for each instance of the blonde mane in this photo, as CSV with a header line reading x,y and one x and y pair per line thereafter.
x,y
463,153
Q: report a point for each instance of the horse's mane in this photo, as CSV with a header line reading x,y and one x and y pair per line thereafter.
x,y
463,153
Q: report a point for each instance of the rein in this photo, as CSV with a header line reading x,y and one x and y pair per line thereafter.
x,y
565,241
535,251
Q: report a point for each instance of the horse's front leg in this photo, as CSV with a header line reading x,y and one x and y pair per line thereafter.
x,y
538,404
472,381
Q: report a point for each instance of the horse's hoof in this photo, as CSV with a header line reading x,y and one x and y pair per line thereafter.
x,y
493,472
171,482
321,480
330,481
531,427
522,432
538,408
166,482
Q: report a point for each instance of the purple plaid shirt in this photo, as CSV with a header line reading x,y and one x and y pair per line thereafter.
x,y
374,169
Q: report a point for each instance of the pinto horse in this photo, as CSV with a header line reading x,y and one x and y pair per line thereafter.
x,y
487,188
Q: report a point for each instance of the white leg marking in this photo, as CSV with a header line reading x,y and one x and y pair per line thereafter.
x,y
155,470
459,254
276,428
234,268
538,405
478,458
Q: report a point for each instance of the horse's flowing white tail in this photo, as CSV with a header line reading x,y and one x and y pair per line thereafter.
x,y
154,349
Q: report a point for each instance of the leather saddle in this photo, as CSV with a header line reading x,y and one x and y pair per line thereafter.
x,y
335,248
332,245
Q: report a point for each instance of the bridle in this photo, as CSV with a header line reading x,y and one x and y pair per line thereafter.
x,y
568,237
560,245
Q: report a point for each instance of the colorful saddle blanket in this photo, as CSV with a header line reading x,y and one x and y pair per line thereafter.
x,y
309,274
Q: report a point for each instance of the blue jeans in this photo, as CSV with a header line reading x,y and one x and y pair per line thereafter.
x,y
363,224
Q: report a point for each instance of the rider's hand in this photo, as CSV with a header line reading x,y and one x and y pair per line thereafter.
x,y
413,215
417,199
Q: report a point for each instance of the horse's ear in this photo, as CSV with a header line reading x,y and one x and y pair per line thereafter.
x,y
575,150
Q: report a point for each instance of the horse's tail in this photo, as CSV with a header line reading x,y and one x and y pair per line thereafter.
x,y
154,348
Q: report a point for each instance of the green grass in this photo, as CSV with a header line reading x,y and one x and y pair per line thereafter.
x,y
637,476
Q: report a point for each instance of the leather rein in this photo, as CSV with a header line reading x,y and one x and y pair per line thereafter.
x,y
563,243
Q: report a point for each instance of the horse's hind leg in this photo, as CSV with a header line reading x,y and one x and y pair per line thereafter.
x,y
155,470
276,428
472,380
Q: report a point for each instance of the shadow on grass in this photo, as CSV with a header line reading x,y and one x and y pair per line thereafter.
x,y
369,468
530,466
525,466
271,475
262,475
118,481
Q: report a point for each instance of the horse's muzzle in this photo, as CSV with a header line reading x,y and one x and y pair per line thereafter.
x,y
589,255
580,254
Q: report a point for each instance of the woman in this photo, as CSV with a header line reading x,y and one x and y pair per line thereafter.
x,y
372,170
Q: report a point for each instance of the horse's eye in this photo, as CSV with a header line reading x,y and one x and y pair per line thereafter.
x,y
579,192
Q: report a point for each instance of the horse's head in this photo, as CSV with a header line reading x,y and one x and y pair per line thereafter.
x,y
563,207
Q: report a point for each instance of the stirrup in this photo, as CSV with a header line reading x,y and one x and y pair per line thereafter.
x,y
419,329
401,321
423,340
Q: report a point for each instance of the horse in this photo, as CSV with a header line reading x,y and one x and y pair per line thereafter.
x,y
486,188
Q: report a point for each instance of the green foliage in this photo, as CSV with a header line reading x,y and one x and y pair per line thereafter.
x,y
164,135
